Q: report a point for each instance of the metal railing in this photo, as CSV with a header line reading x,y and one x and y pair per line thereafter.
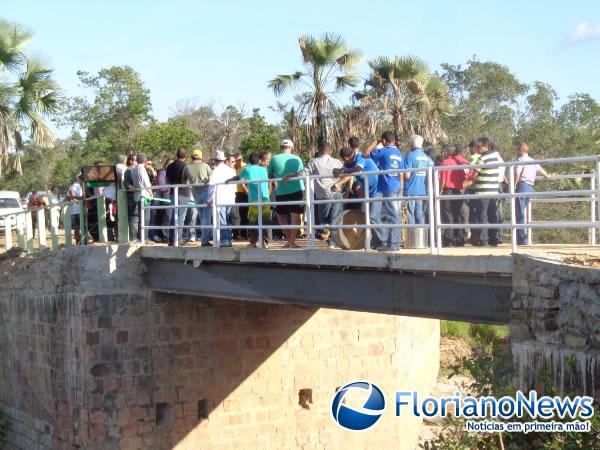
x,y
433,225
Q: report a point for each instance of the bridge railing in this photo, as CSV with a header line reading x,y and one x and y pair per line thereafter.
x,y
22,222
433,199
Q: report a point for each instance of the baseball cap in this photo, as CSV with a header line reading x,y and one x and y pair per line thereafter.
x,y
219,155
287,143
197,154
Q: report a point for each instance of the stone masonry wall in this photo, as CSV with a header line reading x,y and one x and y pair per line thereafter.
x,y
555,324
91,359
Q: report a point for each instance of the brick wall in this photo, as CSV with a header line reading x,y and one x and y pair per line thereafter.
x,y
101,363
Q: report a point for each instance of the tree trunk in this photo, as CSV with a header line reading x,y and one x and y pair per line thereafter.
x,y
321,131
396,122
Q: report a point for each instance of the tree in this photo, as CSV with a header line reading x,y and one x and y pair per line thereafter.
x,y
120,108
262,136
416,98
28,94
329,67
486,95
162,139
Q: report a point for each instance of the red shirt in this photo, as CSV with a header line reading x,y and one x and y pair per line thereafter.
x,y
453,179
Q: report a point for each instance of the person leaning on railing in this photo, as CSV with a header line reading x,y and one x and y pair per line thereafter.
x,y
451,183
524,182
75,195
486,185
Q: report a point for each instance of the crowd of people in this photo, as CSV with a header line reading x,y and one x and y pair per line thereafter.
x,y
395,197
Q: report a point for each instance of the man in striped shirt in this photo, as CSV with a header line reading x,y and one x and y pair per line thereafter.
x,y
485,184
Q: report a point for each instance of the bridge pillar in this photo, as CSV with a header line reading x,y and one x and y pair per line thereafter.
x,y
555,324
91,358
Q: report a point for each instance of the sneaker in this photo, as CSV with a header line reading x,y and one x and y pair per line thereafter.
x,y
207,244
383,248
193,239
331,245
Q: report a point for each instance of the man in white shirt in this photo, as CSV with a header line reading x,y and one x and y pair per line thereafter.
x,y
222,194
75,195
141,196
524,182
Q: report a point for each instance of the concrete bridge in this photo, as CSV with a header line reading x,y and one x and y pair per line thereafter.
x,y
105,347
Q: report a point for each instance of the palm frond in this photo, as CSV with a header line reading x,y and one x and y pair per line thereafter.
x,y
13,37
345,81
282,83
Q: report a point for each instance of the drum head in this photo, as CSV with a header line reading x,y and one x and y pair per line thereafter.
x,y
350,238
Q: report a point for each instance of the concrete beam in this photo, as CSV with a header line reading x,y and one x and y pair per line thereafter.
x,y
474,298
414,262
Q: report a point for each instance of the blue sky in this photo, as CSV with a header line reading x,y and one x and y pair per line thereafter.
x,y
225,51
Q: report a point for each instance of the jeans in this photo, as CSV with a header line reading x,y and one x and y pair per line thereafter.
x,y
473,216
415,212
224,215
329,213
201,198
181,213
522,203
135,229
452,213
388,213
487,210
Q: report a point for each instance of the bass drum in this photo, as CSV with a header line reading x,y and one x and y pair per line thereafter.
x,y
350,238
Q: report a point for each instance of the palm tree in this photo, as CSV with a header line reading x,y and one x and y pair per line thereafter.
x,y
329,67
414,96
28,94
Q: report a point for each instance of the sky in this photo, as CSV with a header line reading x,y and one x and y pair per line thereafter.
x,y
224,52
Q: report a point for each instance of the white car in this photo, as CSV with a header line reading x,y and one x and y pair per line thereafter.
x,y
10,204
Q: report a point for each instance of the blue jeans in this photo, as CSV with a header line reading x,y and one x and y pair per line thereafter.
x,y
415,212
522,203
388,212
224,214
201,198
181,213
329,213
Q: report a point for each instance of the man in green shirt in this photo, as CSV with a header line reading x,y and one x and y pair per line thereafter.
x,y
288,191
198,173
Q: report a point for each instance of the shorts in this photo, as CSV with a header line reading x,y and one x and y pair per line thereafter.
x,y
253,214
284,210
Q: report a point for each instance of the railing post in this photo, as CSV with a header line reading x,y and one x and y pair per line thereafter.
x,y
41,224
176,216
592,230
216,219
310,213
67,225
513,219
122,217
83,229
432,224
8,231
437,202
28,232
54,220
259,218
367,214
20,228
142,228
101,208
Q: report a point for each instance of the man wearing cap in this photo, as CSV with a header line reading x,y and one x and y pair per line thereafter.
x,y
222,194
286,163
198,174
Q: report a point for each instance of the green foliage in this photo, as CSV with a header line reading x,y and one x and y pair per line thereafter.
x,y
477,335
4,425
262,135
162,139
120,108
329,65
492,373
28,94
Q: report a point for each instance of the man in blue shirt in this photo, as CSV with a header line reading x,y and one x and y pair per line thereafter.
x,y
388,187
355,163
414,183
